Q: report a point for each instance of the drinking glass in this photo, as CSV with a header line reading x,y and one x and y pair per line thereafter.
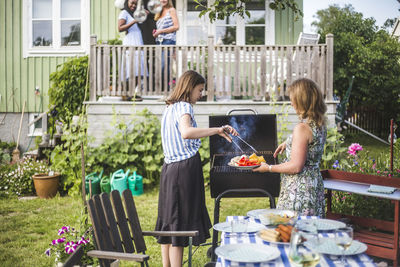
x,y
343,239
239,226
303,242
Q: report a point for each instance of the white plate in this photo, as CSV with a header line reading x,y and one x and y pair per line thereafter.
x,y
244,167
259,214
247,252
252,227
272,242
328,246
325,224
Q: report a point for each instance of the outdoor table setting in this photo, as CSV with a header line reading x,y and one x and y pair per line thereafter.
x,y
244,243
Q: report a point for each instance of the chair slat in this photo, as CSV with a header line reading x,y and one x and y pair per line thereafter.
x,y
75,257
134,221
122,222
111,222
101,243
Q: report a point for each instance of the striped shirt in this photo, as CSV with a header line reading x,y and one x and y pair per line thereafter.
x,y
174,146
164,23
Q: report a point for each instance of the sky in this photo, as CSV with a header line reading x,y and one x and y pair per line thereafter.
x,y
380,10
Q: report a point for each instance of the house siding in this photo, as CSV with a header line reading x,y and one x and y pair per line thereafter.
x,y
103,19
20,76
287,29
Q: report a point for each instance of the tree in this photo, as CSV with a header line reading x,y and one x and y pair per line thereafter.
x,y
362,50
224,8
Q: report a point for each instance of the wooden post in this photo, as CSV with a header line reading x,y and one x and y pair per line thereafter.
x,y
210,69
83,175
92,68
391,144
329,67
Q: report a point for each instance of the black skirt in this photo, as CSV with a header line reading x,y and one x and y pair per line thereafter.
x,y
181,202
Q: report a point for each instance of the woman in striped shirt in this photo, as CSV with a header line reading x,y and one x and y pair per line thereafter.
x,y
181,203
167,24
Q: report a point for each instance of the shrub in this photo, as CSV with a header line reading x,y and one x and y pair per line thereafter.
x,y
134,145
66,158
16,179
67,91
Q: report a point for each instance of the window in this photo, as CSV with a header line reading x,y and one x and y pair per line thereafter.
x,y
56,27
255,25
196,28
36,128
257,30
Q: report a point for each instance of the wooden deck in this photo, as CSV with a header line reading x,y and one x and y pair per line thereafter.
x,y
255,72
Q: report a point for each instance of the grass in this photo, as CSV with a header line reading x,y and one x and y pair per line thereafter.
x,y
28,226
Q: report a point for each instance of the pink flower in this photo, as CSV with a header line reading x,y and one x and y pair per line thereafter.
x,y
353,148
378,171
70,247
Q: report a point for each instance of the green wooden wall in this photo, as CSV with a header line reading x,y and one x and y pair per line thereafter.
x,y
103,19
287,30
20,76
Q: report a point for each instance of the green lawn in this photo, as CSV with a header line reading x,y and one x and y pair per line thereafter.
x,y
28,226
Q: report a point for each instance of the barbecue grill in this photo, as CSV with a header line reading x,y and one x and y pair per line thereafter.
x,y
260,133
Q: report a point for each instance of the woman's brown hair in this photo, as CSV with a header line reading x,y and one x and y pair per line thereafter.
x,y
308,101
186,83
169,5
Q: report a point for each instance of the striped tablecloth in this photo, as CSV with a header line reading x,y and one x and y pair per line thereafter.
x,y
283,260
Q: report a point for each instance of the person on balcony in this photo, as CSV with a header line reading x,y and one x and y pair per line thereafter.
x,y
133,37
181,203
165,34
302,188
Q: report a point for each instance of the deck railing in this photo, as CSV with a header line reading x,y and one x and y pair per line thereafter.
x,y
258,72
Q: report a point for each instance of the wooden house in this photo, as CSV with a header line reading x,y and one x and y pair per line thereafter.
x,y
247,61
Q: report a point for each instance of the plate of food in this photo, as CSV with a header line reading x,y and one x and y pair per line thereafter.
x,y
249,253
279,235
245,162
274,216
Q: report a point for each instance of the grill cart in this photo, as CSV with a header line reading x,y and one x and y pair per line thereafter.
x,y
260,131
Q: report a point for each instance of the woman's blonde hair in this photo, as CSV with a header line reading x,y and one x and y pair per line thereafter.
x,y
169,5
186,83
308,101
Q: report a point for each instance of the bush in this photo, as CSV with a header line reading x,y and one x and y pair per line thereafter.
x,y
16,179
66,158
67,91
134,145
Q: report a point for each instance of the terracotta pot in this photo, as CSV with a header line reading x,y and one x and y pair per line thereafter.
x,y
361,178
46,186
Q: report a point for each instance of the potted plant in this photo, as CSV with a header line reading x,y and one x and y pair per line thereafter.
x,y
46,184
17,178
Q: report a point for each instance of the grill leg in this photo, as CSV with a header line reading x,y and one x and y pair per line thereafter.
x,y
215,232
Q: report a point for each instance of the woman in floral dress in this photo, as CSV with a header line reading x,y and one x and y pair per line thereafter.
x,y
302,188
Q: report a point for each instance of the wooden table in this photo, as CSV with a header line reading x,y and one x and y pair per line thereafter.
x,y
384,242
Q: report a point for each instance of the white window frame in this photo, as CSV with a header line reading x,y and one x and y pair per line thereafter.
x,y
240,26
32,130
55,49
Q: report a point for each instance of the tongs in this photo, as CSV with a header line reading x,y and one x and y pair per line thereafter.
x,y
228,133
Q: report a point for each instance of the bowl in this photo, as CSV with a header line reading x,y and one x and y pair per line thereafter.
x,y
275,217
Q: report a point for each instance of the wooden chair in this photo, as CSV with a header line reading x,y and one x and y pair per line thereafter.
x,y
117,230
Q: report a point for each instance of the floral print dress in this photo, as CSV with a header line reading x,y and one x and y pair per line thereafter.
x,y
304,191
